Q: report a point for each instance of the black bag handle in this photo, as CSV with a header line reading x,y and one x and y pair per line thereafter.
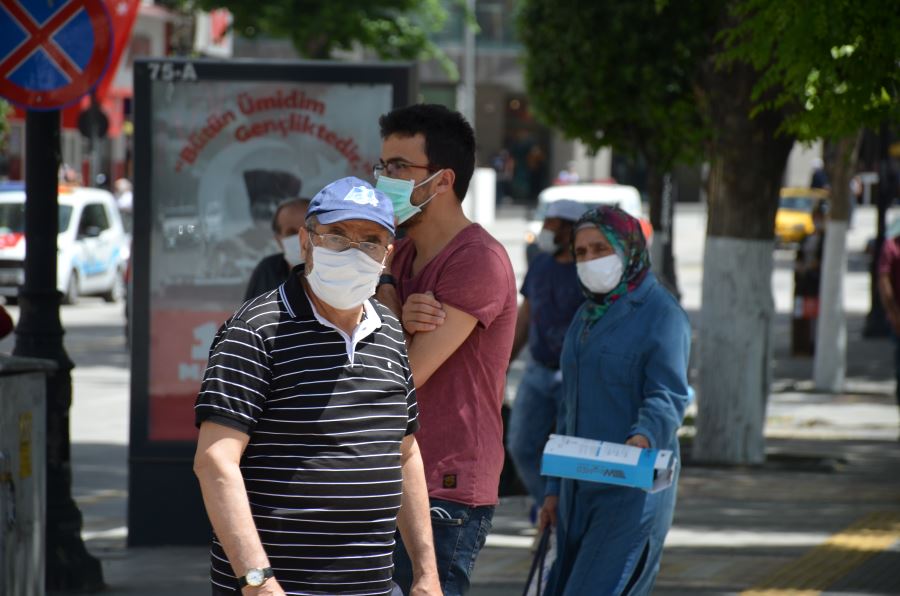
x,y
537,564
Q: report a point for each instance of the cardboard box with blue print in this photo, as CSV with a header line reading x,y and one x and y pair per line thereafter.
x,y
609,463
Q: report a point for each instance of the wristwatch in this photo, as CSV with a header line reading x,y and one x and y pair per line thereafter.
x,y
256,577
387,278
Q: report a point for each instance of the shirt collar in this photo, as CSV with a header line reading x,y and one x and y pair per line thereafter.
x,y
299,306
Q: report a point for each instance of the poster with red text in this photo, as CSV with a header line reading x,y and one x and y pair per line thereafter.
x,y
224,155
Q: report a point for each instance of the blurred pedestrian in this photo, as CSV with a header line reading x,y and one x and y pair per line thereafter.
x,y
551,295
807,277
125,202
307,413
889,290
504,165
536,161
624,365
819,178
124,194
453,287
272,270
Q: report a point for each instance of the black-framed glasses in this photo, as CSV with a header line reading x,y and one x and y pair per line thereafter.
x,y
393,166
339,243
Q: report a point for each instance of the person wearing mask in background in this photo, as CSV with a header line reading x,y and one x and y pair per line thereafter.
x,y
454,287
306,456
624,364
271,272
551,295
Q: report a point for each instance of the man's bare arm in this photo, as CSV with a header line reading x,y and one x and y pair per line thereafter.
x,y
414,520
217,466
429,350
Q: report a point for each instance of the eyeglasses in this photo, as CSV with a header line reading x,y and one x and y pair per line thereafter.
x,y
339,243
393,166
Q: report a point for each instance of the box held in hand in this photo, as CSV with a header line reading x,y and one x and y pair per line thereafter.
x,y
609,463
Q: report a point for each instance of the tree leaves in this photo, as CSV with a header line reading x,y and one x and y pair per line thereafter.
x,y
624,68
393,29
838,61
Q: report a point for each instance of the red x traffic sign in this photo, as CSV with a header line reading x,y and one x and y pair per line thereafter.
x,y
52,52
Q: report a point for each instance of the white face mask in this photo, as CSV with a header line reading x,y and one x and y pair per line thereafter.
x,y
293,253
343,279
546,241
601,275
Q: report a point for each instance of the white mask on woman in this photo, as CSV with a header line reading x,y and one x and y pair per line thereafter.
x,y
293,253
343,279
601,275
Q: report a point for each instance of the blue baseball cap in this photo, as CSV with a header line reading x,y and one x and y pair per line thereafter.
x,y
351,198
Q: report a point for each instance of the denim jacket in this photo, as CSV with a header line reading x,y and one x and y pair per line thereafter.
x,y
627,373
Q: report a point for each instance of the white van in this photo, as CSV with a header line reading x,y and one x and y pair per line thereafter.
x,y
92,245
627,198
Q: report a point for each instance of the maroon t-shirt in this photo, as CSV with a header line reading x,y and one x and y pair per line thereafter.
x,y
890,263
461,432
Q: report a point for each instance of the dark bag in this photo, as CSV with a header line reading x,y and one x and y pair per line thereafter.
x,y
536,573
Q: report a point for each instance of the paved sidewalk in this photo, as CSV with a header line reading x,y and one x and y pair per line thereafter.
x,y
821,516
734,528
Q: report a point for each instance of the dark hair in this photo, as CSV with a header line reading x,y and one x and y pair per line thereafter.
x,y
449,139
287,203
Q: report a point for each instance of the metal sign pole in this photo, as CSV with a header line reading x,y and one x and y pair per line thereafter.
x,y
39,335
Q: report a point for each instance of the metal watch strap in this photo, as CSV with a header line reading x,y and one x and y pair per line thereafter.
x,y
268,573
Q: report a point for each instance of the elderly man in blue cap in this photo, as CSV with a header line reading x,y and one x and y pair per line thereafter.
x,y
306,456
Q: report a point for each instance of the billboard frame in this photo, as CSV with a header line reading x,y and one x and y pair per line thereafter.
x,y
165,505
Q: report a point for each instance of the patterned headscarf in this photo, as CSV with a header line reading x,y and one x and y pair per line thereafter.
x,y
627,239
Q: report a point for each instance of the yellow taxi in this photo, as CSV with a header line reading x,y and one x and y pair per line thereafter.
x,y
794,219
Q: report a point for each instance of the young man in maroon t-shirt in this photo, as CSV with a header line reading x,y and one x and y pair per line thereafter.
x,y
453,284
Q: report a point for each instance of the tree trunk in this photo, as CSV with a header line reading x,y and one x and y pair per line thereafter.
x,y
830,363
747,162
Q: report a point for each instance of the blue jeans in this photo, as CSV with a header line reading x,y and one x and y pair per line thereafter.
x,y
459,534
531,421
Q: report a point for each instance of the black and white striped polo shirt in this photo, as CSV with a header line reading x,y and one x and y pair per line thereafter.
x,y
326,414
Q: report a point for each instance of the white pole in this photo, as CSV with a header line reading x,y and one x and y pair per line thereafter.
x,y
467,91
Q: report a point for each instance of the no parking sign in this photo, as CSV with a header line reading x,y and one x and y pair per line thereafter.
x,y
52,52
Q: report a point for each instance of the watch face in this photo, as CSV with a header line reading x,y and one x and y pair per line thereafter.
x,y
255,577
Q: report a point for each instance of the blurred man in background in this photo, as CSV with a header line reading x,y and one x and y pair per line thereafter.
x,y
273,270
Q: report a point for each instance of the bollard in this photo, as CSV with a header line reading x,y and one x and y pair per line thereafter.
x,y
23,383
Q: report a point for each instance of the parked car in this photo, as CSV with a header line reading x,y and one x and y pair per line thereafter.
x,y
794,219
625,197
92,246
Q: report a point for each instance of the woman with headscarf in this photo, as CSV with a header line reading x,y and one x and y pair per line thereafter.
x,y
624,365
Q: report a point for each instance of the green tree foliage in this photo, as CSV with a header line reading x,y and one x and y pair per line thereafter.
x,y
835,64
619,74
393,29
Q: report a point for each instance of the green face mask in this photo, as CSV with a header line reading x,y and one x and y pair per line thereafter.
x,y
400,193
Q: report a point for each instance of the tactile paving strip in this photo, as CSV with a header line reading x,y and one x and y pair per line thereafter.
x,y
841,554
